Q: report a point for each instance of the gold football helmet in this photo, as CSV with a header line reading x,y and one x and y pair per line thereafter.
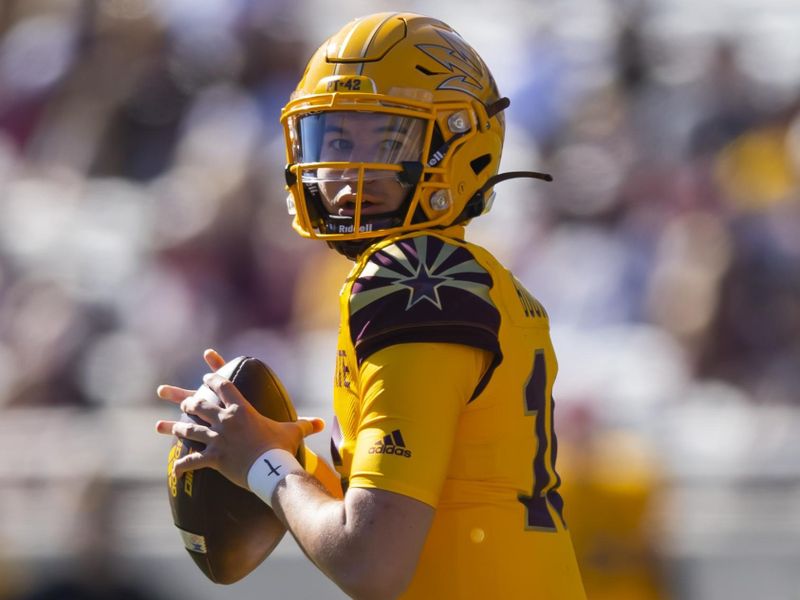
x,y
396,125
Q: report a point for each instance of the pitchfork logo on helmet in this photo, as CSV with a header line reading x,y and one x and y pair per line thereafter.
x,y
395,126
457,58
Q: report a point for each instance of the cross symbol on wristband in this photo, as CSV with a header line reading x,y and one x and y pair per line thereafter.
x,y
272,469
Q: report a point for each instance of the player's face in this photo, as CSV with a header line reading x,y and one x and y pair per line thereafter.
x,y
366,138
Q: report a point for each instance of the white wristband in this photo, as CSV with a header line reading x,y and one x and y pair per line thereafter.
x,y
269,470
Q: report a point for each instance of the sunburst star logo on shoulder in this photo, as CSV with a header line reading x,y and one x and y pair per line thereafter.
x,y
423,286
422,268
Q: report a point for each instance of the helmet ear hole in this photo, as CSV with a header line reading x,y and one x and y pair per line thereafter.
x,y
480,163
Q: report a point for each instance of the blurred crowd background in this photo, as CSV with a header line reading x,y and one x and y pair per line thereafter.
x,y
143,219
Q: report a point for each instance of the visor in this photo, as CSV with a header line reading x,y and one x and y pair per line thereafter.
x,y
357,137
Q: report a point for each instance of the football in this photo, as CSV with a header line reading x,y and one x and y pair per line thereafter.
x,y
226,529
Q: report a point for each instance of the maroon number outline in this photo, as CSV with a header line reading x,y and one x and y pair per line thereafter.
x,y
544,499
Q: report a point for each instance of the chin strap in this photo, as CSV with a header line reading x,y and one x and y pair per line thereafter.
x,y
477,204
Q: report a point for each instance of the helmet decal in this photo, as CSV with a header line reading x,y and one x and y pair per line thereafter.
x,y
344,53
460,60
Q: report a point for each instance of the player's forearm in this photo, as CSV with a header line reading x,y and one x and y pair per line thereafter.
x,y
341,543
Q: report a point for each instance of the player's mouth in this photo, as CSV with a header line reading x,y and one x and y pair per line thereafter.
x,y
348,209
345,203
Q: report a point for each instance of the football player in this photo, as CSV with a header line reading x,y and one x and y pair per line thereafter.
x,y
443,435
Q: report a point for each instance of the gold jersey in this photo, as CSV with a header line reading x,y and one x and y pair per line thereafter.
x,y
442,393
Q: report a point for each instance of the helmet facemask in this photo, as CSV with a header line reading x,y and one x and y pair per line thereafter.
x,y
356,170
363,166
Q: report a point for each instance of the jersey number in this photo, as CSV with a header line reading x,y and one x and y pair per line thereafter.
x,y
545,499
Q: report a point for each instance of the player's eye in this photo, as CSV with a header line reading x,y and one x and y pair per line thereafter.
x,y
390,146
336,149
340,145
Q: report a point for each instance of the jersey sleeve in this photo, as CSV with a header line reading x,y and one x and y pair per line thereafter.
x,y
412,397
422,289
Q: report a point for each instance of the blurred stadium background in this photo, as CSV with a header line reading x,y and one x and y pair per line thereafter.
x,y
142,219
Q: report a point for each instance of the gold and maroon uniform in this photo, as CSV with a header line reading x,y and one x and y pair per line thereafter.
x,y
443,393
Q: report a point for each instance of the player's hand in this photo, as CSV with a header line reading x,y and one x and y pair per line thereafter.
x,y
177,394
236,434
213,359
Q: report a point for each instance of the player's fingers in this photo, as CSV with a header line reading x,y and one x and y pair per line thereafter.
x,y
191,462
194,405
223,388
165,427
173,393
213,359
193,431
310,425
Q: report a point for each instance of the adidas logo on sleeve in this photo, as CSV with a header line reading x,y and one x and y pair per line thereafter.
x,y
391,443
